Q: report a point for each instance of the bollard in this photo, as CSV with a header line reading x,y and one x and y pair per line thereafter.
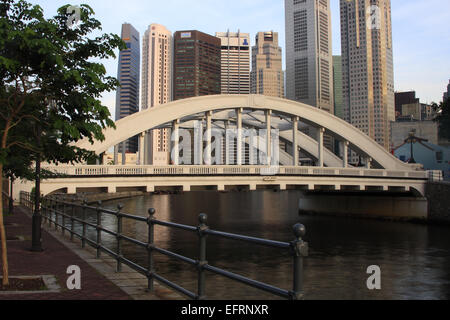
x,y
99,231
119,238
202,218
299,250
83,239
150,246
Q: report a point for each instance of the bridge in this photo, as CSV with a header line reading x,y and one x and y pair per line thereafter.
x,y
256,163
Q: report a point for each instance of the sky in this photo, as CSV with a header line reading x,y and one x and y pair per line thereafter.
x,y
421,33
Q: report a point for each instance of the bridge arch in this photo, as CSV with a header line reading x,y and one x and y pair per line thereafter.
x,y
156,117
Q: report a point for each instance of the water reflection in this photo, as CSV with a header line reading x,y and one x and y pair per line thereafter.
x,y
414,259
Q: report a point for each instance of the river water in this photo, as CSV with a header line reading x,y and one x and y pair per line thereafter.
x,y
414,259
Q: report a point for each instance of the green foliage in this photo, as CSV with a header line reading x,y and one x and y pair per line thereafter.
x,y
443,118
51,85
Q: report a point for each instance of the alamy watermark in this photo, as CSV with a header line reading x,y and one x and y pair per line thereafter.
x,y
75,16
373,17
374,281
220,147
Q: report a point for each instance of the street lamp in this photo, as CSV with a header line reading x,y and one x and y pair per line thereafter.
x,y
412,140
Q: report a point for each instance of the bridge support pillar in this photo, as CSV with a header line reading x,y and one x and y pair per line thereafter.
x,y
71,190
186,188
283,186
198,143
149,189
252,187
321,151
116,155
175,141
220,187
345,154
124,153
368,162
141,148
239,136
295,157
112,189
208,148
269,137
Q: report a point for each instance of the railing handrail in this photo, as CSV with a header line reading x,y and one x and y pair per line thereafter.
x,y
54,206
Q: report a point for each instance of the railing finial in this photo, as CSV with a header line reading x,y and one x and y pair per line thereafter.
x,y
299,231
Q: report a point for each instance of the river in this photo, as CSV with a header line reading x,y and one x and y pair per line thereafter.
x,y
414,258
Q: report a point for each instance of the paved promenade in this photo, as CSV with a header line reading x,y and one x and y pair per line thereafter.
x,y
99,281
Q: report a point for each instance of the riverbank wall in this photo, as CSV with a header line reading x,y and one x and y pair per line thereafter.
x,y
438,195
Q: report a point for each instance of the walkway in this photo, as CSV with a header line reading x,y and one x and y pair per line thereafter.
x,y
99,281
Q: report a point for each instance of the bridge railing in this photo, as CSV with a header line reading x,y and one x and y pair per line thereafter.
x,y
60,212
230,170
435,176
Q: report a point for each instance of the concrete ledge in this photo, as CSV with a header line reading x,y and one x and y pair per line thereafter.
x,y
50,283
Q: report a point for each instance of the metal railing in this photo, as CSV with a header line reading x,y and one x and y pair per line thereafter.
x,y
57,210
7,203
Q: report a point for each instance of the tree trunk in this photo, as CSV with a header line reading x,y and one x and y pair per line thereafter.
x,y
5,281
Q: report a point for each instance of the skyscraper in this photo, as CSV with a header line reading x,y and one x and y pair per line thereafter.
x,y
267,76
235,62
309,62
127,96
447,94
197,65
337,87
157,88
367,62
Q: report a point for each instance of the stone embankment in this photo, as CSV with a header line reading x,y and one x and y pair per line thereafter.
x,y
438,195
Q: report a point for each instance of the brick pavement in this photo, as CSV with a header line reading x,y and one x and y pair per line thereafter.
x,y
54,260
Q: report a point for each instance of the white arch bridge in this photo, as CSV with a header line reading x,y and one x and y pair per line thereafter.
x,y
307,161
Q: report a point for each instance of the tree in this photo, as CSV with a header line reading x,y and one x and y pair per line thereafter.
x,y
50,89
443,118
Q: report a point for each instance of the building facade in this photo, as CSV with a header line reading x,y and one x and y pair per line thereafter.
x,y
309,62
197,64
235,62
128,74
156,89
367,62
400,130
267,76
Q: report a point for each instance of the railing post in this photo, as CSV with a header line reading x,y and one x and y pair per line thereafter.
x,y
99,231
150,246
72,222
202,218
63,216
11,204
83,239
52,213
299,250
57,205
119,238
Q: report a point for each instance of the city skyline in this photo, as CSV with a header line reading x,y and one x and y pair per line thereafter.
x,y
429,57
